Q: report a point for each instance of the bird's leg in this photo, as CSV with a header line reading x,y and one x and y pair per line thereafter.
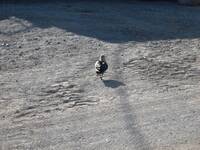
x,y
101,76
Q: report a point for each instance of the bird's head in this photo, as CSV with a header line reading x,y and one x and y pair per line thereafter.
x,y
102,58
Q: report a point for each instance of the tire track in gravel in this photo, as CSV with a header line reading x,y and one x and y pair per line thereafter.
x,y
130,118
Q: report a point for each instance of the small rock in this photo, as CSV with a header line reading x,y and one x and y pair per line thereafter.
x,y
47,111
17,111
3,44
66,101
55,85
38,48
36,38
48,42
58,109
20,54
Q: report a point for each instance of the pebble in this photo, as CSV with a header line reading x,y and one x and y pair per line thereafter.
x,y
5,44
38,48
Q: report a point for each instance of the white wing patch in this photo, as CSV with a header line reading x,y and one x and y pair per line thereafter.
x,y
97,66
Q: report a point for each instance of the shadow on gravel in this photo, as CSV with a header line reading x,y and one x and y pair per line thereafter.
x,y
115,22
113,83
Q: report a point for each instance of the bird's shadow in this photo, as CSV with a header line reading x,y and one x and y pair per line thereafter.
x,y
113,83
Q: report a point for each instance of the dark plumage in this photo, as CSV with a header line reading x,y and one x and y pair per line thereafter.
x,y
101,66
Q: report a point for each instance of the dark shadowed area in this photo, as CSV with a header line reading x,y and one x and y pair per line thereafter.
x,y
113,83
115,22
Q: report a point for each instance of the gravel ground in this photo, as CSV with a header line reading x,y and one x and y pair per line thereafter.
x,y
51,99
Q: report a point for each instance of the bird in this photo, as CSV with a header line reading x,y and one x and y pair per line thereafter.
x,y
101,66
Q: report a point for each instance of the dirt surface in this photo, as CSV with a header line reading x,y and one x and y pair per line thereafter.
x,y
51,99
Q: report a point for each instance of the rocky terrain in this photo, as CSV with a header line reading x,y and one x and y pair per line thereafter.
x,y
51,99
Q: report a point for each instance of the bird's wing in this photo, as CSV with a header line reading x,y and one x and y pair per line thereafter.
x,y
97,66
